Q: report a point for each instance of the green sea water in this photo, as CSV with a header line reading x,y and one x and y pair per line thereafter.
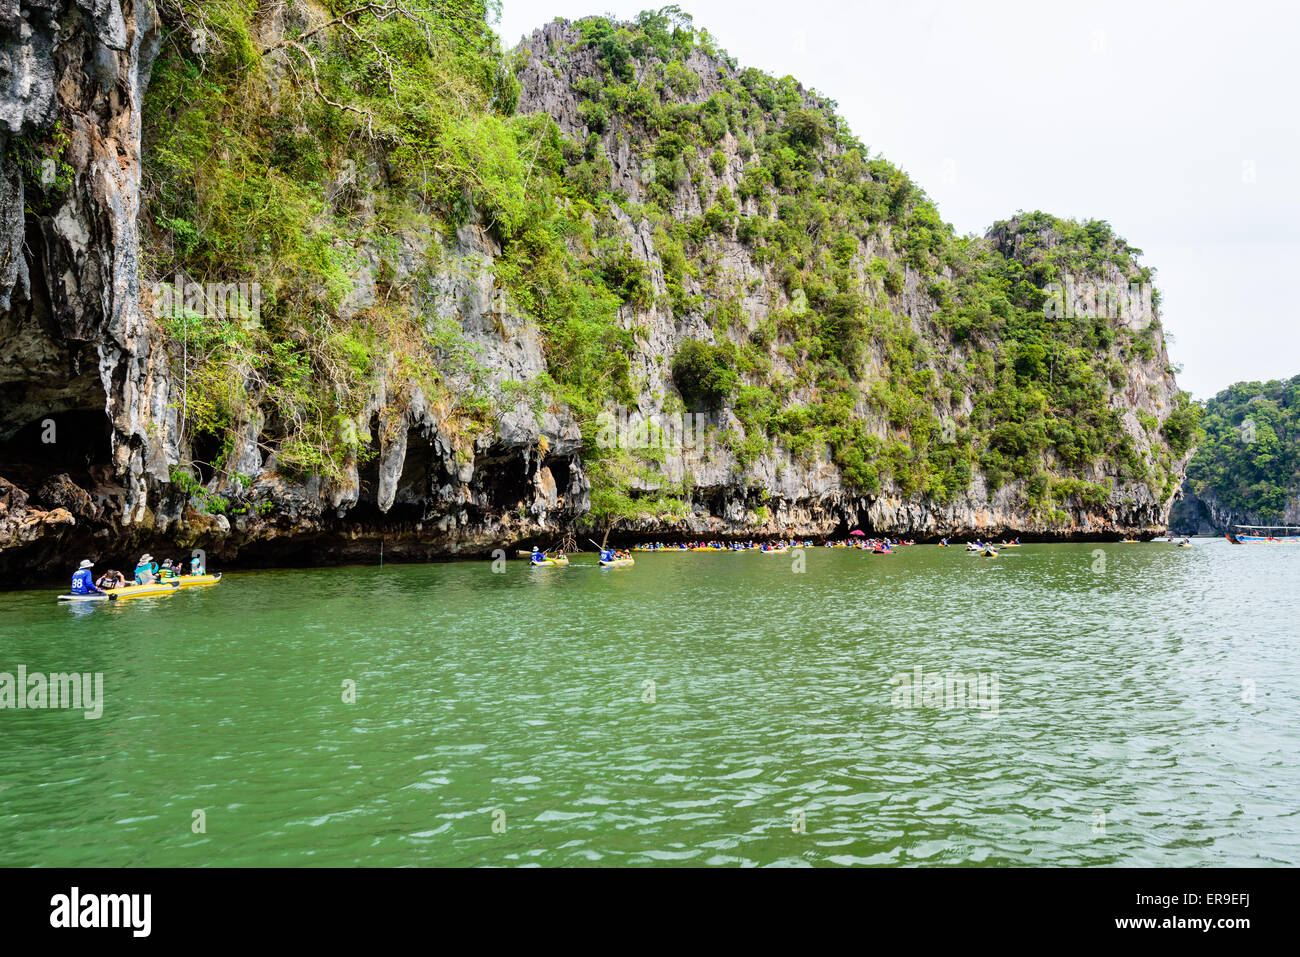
x,y
1130,704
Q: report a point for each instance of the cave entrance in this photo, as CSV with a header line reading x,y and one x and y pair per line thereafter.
x,y
205,449
52,415
70,442
560,472
504,478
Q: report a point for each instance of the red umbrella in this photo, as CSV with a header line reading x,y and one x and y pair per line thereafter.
x,y
857,531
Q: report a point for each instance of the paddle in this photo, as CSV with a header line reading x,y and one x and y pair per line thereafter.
x,y
601,548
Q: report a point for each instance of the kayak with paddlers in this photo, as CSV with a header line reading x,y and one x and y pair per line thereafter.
x,y
150,579
615,558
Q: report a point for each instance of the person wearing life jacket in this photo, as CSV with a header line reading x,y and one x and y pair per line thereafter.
x,y
146,569
83,580
537,555
196,566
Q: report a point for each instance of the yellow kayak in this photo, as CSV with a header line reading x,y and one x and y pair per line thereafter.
x,y
618,563
775,551
990,553
190,581
550,561
128,591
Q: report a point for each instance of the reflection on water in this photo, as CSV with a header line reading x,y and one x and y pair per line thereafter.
x,y
696,709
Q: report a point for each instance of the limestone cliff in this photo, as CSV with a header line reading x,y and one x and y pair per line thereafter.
x,y
881,374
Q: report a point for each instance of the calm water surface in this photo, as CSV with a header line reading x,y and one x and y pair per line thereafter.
x,y
700,709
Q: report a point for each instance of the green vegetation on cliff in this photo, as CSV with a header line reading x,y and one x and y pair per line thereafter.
x,y
285,146
1249,459
277,157
858,251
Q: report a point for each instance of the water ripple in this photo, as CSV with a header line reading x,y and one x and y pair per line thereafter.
x,y
699,710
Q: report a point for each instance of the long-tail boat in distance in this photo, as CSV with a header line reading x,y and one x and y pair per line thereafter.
x,y
1265,535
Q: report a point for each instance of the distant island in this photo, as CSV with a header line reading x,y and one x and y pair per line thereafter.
x,y
1246,470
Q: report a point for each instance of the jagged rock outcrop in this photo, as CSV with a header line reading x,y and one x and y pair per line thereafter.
x,y
798,495
90,391
72,76
1204,514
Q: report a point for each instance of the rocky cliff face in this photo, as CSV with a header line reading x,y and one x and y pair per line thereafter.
x,y
812,497
75,350
1204,514
91,425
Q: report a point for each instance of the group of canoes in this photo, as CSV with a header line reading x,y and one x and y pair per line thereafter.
x,y
715,546
881,546
149,579
987,549
609,558
876,546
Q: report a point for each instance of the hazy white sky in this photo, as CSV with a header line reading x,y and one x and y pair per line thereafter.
x,y
1175,121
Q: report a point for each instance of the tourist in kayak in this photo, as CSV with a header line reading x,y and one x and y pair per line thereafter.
x,y
196,566
83,580
111,579
537,555
146,570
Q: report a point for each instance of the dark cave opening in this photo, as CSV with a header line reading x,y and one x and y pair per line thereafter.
x,y
204,450
560,468
504,478
71,442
